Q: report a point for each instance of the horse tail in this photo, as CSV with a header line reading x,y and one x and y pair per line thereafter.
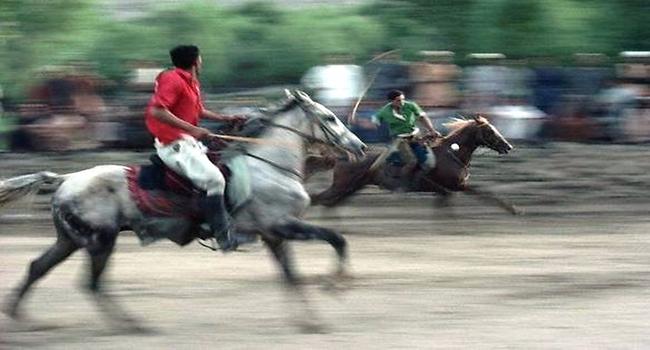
x,y
18,187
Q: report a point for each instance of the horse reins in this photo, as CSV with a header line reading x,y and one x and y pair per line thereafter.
x,y
310,138
305,136
274,164
455,158
251,140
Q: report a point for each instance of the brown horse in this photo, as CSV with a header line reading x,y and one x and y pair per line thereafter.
x,y
453,155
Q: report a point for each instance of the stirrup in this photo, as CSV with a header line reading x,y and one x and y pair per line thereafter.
x,y
214,246
210,246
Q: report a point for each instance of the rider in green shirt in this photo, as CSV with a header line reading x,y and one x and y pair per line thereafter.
x,y
401,117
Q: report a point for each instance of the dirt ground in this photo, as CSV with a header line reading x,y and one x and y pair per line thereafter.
x,y
573,272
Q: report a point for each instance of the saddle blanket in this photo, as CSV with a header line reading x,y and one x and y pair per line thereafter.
x,y
159,191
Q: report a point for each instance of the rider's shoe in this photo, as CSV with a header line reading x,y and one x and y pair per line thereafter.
x,y
407,171
217,216
227,242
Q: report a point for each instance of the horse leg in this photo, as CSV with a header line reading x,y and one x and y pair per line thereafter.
x,y
62,249
442,198
491,197
316,164
99,255
443,201
307,320
299,230
345,182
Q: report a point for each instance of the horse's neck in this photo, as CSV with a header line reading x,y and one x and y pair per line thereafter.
x,y
283,147
465,140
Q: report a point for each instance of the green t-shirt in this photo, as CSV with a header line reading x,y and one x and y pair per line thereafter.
x,y
410,113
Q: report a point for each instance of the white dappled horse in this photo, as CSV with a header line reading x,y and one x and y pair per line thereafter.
x,y
91,207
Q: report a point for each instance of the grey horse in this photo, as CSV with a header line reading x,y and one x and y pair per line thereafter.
x,y
91,207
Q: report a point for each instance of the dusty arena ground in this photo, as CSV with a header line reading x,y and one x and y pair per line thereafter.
x,y
573,272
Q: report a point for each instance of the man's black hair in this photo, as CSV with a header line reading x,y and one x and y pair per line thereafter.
x,y
393,94
184,56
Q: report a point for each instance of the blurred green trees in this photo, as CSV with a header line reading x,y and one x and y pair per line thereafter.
x,y
258,44
520,28
37,33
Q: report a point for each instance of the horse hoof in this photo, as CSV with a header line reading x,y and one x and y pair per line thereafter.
x,y
120,330
338,283
142,330
344,276
517,212
331,285
312,327
11,310
133,326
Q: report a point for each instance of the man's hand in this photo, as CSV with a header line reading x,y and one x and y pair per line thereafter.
x,y
431,137
200,133
237,120
230,119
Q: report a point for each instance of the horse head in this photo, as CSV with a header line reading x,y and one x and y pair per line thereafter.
x,y
327,129
468,134
488,136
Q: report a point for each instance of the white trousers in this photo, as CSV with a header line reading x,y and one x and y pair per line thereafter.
x,y
187,157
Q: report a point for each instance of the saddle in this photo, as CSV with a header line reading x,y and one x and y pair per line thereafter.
x,y
159,191
394,160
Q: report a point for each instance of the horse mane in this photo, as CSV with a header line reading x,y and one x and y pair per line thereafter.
x,y
458,124
279,107
256,124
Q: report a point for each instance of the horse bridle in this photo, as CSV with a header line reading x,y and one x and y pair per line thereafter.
x,y
455,158
478,142
329,136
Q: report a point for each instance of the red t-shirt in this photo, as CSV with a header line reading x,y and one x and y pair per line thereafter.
x,y
178,92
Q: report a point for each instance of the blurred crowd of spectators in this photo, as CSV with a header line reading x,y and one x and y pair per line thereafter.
x,y
67,109
538,99
589,99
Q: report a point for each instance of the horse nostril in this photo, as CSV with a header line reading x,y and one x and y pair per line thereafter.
x,y
364,147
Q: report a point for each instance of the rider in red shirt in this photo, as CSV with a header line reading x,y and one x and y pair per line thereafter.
x,y
172,116
176,91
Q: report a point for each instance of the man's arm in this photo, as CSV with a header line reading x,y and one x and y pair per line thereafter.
x,y
428,125
425,120
169,118
221,117
166,92
379,116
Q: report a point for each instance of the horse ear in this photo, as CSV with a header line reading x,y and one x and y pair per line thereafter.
x,y
302,96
